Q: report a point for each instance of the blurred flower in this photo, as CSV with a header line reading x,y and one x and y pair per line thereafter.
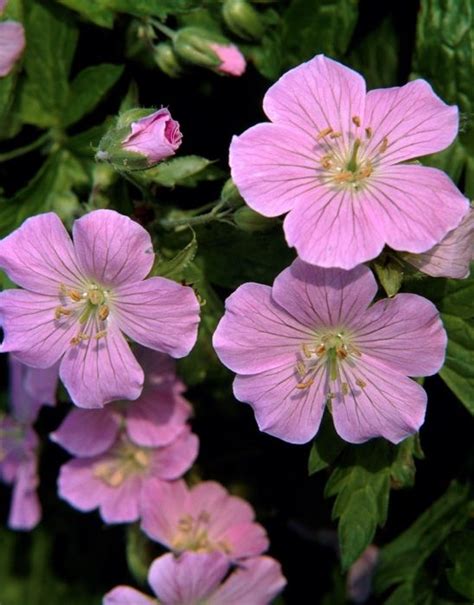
x,y
196,578
359,577
29,390
335,158
313,338
12,44
452,256
79,297
167,60
232,61
205,518
242,19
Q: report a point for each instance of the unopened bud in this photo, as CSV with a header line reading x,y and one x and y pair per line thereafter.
x,y
167,61
140,139
230,194
242,19
248,220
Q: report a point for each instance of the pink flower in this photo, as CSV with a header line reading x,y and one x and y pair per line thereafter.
x,y
12,44
79,297
205,518
335,158
19,442
196,578
156,136
312,338
452,256
232,60
359,577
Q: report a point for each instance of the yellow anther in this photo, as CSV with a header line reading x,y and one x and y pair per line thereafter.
x,y
300,368
305,385
74,295
204,516
141,457
185,523
306,350
356,120
383,145
368,132
101,334
341,352
61,311
115,479
360,383
345,388
103,312
335,135
330,396
320,350
326,161
323,133
365,171
343,177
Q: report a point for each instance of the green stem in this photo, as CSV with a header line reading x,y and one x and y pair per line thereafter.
x,y
143,190
14,153
193,220
163,28
352,165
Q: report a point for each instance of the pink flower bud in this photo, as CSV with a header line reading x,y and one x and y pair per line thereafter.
x,y
12,43
156,136
232,60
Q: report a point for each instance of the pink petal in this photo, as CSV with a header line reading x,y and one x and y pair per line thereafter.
x,y
25,509
275,167
159,314
389,405
359,577
256,334
256,582
30,389
415,206
98,371
281,409
405,333
324,297
12,44
337,229
316,95
125,595
245,540
39,256
156,136
413,119
224,509
162,505
42,384
157,417
121,504
452,256
187,580
78,486
233,61
31,331
111,248
173,460
88,432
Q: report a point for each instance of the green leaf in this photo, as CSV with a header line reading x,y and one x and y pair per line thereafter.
x,y
390,274
325,26
326,447
9,123
460,549
88,89
361,484
186,171
174,268
51,41
402,560
94,10
402,471
146,8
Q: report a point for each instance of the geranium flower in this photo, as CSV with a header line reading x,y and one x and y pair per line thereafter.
x,y
195,578
12,45
205,518
29,390
79,297
333,158
313,339
232,60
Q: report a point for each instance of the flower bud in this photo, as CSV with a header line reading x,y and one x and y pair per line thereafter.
x,y
242,19
248,220
12,44
140,139
167,61
207,49
230,194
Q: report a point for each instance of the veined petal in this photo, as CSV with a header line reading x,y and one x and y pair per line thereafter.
x,y
415,206
78,486
111,248
380,403
159,314
125,595
40,256
281,409
324,297
317,95
172,461
88,432
256,582
96,371
245,540
162,505
275,167
12,44
413,120
31,331
405,333
255,333
338,230
188,579
25,508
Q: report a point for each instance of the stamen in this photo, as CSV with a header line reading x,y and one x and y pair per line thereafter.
x,y
141,457
365,171
61,311
185,523
300,368
345,388
305,385
335,135
360,383
356,120
368,132
79,338
101,334
383,145
341,352
306,350
320,350
96,297
352,164
323,133
103,312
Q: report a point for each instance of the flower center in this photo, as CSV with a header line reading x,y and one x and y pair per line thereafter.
x,y
193,534
349,166
329,351
89,306
124,460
